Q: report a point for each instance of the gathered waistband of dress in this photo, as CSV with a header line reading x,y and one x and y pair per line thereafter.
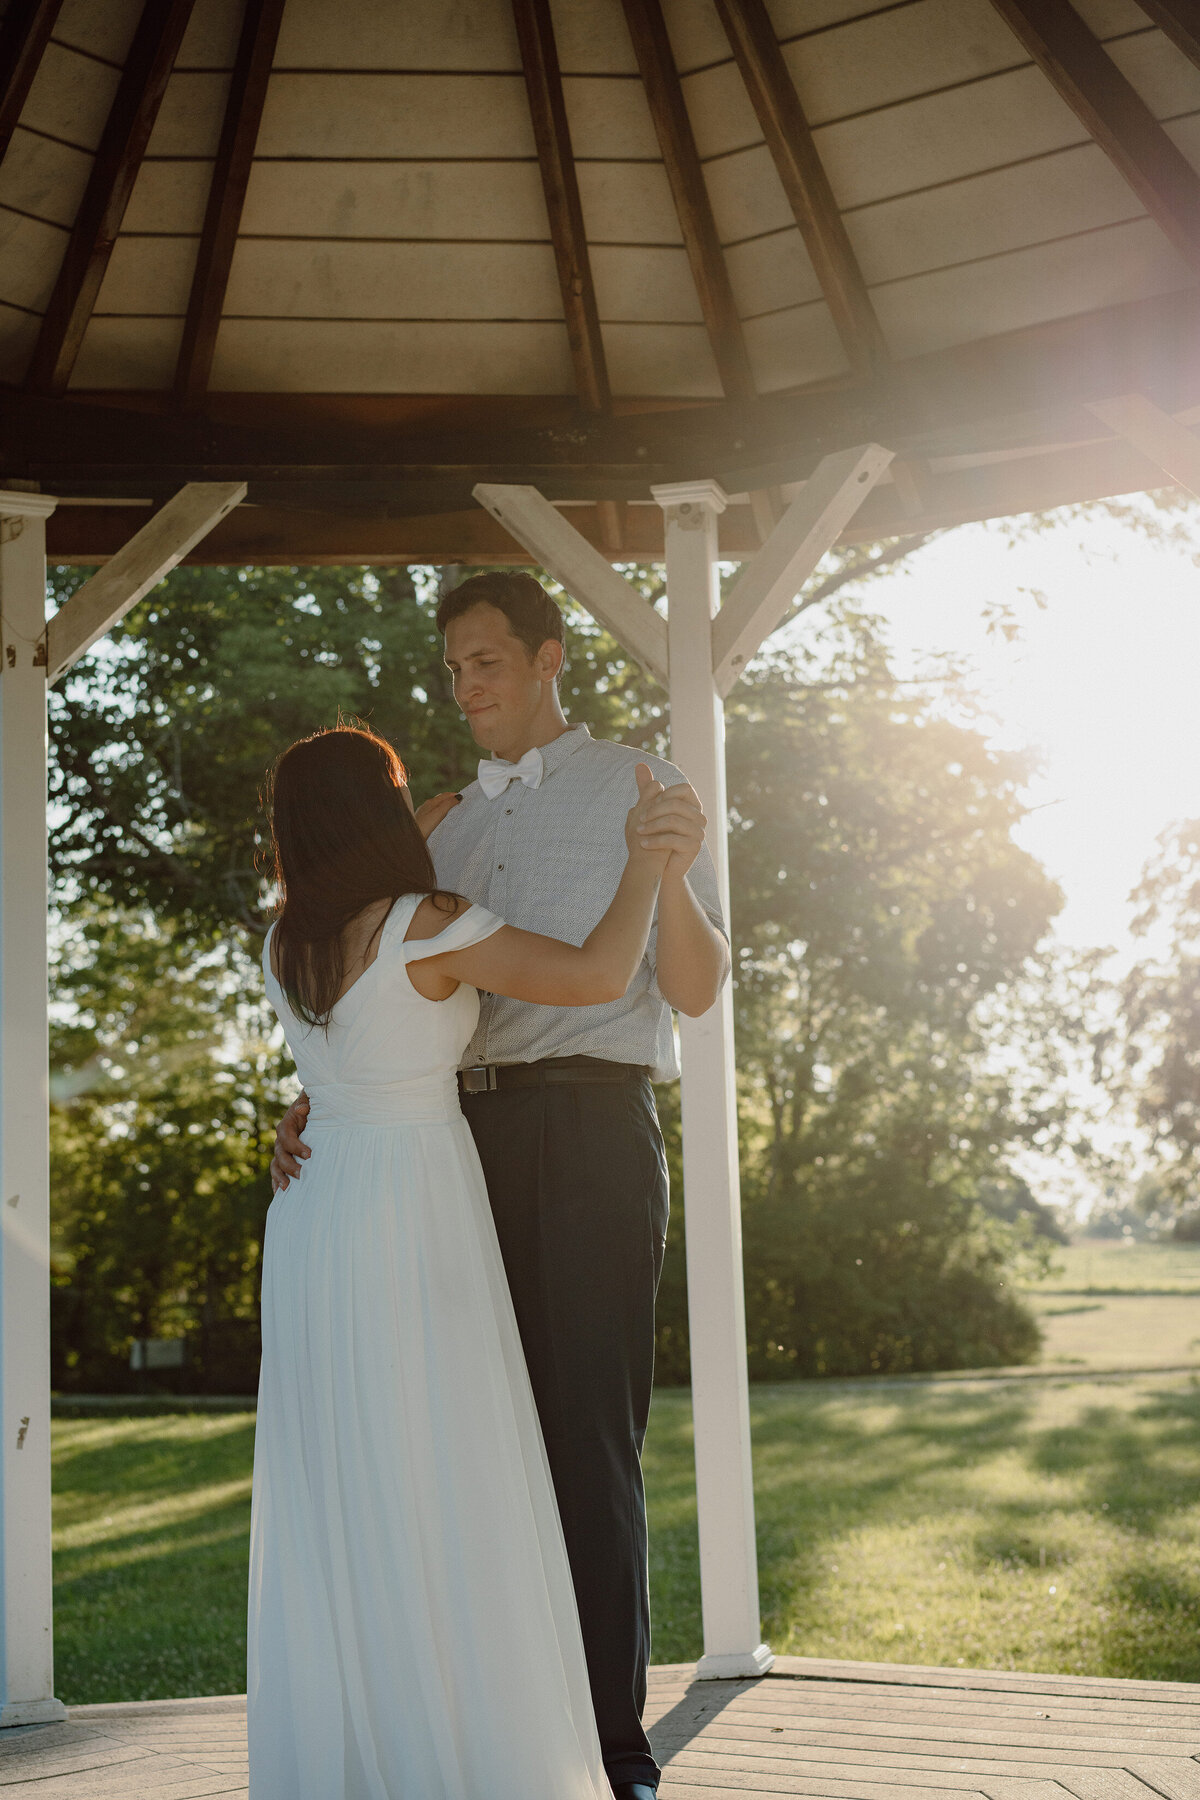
x,y
423,1100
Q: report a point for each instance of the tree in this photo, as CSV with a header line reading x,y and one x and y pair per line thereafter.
x,y
886,922
1158,1048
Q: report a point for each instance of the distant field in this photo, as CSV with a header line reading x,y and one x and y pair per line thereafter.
x,y
1110,1266
1039,1524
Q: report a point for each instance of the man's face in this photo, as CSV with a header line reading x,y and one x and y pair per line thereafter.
x,y
498,685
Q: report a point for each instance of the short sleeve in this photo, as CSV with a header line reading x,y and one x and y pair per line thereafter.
x,y
470,927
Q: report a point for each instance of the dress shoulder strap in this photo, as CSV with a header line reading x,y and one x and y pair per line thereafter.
x,y
471,926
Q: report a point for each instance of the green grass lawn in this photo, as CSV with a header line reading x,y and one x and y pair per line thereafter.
x,y
1041,1524
1110,1266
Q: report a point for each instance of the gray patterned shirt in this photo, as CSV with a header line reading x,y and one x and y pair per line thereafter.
x,y
549,859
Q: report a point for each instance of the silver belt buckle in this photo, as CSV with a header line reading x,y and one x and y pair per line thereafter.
x,y
479,1080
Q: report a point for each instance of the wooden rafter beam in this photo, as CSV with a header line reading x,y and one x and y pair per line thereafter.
x,y
114,171
664,91
543,83
1180,20
24,33
163,541
790,141
227,196
1158,435
1113,113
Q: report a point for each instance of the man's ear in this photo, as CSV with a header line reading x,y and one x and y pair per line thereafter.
x,y
551,659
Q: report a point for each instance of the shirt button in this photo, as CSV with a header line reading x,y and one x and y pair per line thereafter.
x,y
499,865
508,810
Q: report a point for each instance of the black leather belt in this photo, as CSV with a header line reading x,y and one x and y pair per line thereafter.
x,y
488,1078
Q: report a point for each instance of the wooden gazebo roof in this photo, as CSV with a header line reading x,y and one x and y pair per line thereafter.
x,y
366,253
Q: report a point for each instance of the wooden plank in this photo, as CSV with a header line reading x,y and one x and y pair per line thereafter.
x,y
810,526
227,195
114,170
660,78
149,555
24,33
1113,113
543,83
1180,21
1156,434
555,544
790,141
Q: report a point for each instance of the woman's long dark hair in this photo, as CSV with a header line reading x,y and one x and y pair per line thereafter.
x,y
343,837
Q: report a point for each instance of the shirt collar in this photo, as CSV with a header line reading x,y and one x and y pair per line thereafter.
x,y
556,752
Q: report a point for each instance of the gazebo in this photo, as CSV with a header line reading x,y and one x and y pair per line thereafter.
x,y
571,282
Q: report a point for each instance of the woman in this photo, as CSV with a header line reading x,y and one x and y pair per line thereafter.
x,y
412,1625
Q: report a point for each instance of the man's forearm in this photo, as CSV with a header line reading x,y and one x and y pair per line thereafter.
x,y
692,957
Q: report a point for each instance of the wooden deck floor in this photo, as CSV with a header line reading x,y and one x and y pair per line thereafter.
x,y
848,1731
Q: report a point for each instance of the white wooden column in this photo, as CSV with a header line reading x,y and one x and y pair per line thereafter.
x,y
26,1655
711,1181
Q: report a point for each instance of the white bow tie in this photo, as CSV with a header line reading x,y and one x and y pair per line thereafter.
x,y
495,774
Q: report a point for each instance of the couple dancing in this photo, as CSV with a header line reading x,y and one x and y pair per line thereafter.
x,y
448,1584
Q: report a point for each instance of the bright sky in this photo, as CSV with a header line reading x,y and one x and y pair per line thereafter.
x,y
1102,684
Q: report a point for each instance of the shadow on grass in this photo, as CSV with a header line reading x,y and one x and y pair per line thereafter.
x,y
151,1569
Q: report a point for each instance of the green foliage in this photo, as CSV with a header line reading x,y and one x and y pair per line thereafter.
x,y
895,1029
1159,1046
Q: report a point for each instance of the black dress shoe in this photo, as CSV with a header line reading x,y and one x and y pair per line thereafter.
x,y
634,1790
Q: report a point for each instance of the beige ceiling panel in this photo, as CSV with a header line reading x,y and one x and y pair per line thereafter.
x,y
42,177
211,38
609,117
191,115
105,31
894,55
423,116
288,356
1050,281
30,257
1186,134
70,96
169,196
1164,77
770,273
496,200
1108,17
1006,209
791,349
293,279
128,353
398,34
746,195
673,360
797,18
636,285
719,107
592,38
627,203
944,137
697,38
18,335
148,275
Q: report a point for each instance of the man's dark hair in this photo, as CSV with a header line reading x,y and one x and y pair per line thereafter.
x,y
531,613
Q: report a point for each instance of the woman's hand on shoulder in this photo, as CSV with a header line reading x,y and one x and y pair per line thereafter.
x,y
430,813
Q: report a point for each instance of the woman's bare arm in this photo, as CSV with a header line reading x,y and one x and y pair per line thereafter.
x,y
525,965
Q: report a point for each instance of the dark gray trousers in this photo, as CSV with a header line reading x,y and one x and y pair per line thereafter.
x,y
577,1180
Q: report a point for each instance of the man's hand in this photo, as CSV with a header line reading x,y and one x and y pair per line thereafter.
x,y
430,813
674,822
290,1148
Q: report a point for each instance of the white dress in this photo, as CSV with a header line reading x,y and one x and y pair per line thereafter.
x,y
412,1625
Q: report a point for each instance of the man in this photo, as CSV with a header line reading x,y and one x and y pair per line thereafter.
x,y
560,1103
